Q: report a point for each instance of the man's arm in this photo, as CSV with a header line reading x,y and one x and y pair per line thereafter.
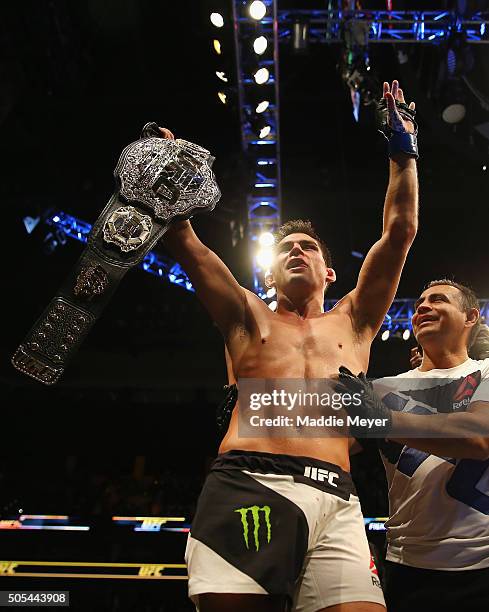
x,y
214,284
462,435
471,426
380,273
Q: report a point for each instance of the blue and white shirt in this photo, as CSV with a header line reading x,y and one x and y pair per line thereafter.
x,y
439,507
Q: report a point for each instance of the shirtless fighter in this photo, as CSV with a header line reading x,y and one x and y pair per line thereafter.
x,y
266,536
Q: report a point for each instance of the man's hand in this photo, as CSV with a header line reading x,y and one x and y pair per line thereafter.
x,y
169,135
371,407
396,121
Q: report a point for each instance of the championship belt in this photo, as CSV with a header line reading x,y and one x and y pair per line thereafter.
x,y
157,181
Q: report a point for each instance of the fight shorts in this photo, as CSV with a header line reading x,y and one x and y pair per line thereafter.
x,y
280,525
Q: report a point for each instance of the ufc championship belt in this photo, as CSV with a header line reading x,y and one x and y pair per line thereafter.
x,y
157,181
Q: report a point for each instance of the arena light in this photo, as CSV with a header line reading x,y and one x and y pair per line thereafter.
x,y
459,62
385,335
260,126
258,10
262,106
406,334
217,46
453,113
300,36
256,26
30,223
266,239
217,20
261,76
264,258
222,76
260,45
222,97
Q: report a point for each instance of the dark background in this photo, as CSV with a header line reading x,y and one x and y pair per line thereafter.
x,y
78,81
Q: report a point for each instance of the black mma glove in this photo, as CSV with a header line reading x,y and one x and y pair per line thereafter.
x,y
399,140
371,406
225,408
391,450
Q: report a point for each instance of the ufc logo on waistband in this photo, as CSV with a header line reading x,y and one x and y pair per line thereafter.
x,y
321,475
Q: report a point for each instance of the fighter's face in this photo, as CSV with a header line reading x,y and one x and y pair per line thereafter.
x,y
438,312
298,259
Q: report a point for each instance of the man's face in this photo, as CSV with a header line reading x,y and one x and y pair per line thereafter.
x,y
299,260
438,312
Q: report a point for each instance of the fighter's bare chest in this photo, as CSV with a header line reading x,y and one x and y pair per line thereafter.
x,y
316,337
287,347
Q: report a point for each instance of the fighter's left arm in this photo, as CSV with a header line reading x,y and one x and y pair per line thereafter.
x,y
379,277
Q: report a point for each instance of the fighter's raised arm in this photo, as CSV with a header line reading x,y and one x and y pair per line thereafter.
x,y
379,277
216,287
214,283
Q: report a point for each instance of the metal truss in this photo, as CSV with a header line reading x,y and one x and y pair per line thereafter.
x,y
398,318
326,26
263,153
387,26
67,226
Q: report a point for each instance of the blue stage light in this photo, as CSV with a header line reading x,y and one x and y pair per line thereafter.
x,y
66,226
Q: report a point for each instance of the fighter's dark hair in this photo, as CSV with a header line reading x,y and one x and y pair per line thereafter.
x,y
478,344
301,226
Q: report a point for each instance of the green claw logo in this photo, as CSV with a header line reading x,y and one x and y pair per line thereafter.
x,y
255,514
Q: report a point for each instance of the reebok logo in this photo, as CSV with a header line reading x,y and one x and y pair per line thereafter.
x,y
321,475
254,512
374,573
466,389
464,402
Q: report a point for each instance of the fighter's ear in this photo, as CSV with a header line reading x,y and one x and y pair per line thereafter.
x,y
269,281
330,276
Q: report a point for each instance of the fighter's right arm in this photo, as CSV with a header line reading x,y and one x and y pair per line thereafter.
x,y
214,283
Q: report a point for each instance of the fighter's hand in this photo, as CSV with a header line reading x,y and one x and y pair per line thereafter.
x,y
416,358
396,121
166,133
371,407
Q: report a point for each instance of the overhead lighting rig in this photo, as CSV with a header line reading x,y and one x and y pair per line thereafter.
x,y
326,26
397,320
258,27
67,226
256,45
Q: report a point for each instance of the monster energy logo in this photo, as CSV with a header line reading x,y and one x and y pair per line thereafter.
x,y
255,514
